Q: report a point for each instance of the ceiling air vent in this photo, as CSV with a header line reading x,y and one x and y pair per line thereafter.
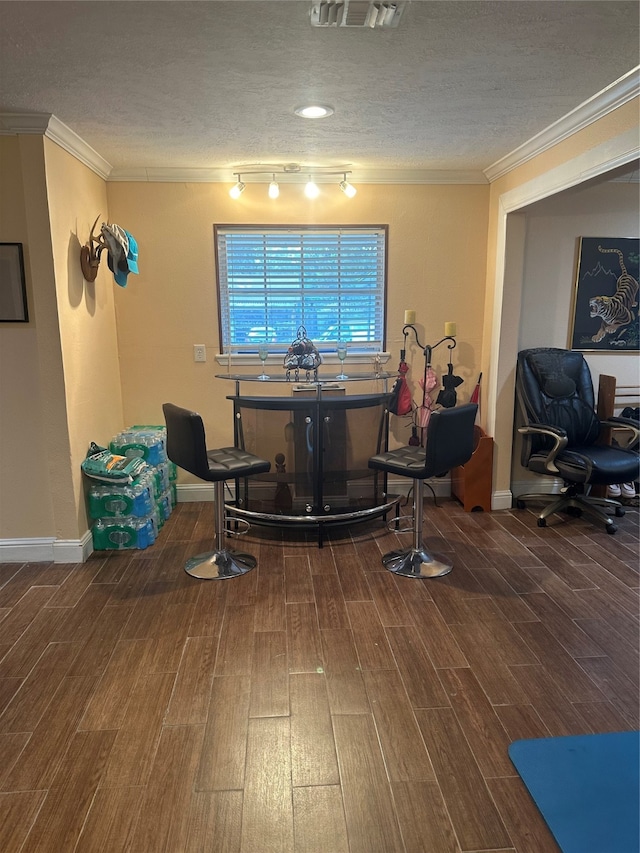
x,y
375,14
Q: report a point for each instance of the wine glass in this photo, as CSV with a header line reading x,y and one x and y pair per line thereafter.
x,y
342,354
263,353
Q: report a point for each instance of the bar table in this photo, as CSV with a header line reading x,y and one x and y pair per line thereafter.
x,y
319,441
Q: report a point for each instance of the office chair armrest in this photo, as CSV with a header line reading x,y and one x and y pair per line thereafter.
x,y
626,424
559,437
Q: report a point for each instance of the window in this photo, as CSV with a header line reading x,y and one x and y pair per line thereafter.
x,y
329,279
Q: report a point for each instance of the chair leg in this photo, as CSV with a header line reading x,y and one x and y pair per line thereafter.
x,y
598,509
223,562
416,562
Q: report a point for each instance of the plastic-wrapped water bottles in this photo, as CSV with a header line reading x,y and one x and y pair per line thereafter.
x,y
129,515
119,533
106,501
149,445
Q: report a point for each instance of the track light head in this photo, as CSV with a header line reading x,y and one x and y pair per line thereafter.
x,y
274,188
311,190
348,189
237,190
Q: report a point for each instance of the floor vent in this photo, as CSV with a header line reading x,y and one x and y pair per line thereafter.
x,y
375,14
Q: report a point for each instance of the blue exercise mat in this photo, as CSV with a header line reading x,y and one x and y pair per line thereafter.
x,y
587,788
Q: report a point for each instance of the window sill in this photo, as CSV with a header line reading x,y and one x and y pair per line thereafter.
x,y
251,359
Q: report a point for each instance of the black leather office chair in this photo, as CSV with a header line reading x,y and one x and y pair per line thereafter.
x,y
186,446
555,393
449,443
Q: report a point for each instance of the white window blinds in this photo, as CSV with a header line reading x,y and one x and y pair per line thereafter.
x,y
331,280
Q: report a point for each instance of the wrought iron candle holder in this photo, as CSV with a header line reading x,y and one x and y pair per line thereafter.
x,y
429,348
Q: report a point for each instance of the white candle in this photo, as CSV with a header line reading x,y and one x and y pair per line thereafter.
x,y
449,330
409,318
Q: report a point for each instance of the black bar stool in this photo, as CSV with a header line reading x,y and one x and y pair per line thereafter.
x,y
449,443
186,446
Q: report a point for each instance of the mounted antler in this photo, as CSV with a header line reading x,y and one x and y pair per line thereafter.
x,y
90,254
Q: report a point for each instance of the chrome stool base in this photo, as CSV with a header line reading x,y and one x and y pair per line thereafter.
x,y
416,563
217,565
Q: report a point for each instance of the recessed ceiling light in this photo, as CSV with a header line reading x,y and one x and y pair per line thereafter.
x,y
314,111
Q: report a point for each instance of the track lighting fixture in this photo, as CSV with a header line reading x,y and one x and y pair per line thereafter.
x,y
291,171
348,189
237,190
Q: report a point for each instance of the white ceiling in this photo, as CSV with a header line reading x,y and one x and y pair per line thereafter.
x,y
212,85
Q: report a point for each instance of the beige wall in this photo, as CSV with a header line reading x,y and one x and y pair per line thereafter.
x,y
59,373
86,321
436,263
24,466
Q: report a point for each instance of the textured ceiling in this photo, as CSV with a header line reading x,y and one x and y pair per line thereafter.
x,y
457,86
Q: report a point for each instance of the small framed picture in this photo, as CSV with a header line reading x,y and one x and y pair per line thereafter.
x,y
605,306
13,289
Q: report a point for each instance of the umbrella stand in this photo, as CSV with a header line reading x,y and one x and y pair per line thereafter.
x,y
424,411
428,349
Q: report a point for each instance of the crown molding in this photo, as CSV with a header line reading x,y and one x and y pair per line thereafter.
x,y
46,124
172,175
357,176
13,123
620,92
619,151
418,176
75,145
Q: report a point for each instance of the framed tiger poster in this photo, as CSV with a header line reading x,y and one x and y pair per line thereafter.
x,y
605,306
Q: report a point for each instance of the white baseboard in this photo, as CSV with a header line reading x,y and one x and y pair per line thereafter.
x,y
191,492
505,498
33,550
46,549
403,485
73,550
442,487
542,486
502,499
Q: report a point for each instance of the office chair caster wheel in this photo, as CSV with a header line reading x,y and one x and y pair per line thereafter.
x,y
611,528
620,511
520,504
542,522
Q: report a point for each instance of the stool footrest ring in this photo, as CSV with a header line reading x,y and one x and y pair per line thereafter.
x,y
394,525
230,530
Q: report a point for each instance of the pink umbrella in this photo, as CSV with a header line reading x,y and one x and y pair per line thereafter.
x,y
427,383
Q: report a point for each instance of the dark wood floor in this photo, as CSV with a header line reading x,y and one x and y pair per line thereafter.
x,y
318,703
